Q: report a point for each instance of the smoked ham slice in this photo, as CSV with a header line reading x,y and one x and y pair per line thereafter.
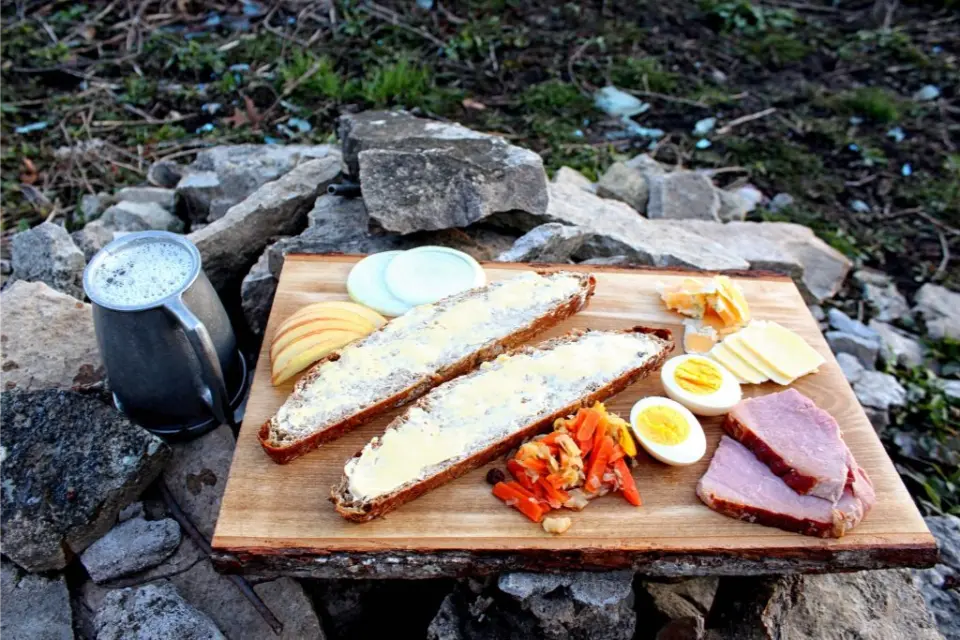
x,y
798,440
739,485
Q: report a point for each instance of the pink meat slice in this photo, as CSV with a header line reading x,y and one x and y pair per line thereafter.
x,y
797,439
739,485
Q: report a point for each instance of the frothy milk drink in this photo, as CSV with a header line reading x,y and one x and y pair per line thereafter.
x,y
141,273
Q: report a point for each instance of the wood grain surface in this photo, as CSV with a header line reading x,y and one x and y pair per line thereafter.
x,y
277,518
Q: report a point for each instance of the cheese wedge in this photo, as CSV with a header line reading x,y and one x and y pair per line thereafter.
x,y
740,368
781,349
736,344
697,337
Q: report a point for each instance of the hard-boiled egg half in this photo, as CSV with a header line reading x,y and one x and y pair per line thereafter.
x,y
700,384
668,431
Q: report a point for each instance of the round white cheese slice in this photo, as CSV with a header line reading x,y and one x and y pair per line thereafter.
x,y
366,285
427,274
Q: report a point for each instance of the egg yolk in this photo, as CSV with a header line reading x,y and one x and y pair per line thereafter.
x,y
698,376
662,425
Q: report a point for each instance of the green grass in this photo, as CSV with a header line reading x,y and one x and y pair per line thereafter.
x,y
401,82
778,48
878,104
323,81
643,73
743,17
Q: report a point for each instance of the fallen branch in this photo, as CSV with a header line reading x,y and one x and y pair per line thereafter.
x,y
945,250
743,119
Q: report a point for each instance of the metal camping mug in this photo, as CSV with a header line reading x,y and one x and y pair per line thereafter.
x,y
170,354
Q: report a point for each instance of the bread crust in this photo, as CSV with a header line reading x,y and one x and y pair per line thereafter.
x,y
283,454
367,511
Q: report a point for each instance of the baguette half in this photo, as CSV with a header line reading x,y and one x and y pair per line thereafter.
x,y
411,354
451,430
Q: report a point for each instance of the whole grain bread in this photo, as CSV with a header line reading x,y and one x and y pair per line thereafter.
x,y
281,448
362,510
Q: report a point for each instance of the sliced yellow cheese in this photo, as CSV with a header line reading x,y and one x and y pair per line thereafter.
x,y
740,368
781,349
736,344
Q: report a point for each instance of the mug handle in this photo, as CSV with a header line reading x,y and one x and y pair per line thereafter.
x,y
214,393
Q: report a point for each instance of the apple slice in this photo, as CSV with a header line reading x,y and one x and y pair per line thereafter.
x,y
333,306
300,354
306,328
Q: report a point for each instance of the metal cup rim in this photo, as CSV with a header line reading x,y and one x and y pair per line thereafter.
x,y
132,238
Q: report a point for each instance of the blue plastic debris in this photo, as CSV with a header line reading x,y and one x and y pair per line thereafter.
x,y
211,107
906,170
578,133
243,67
927,93
299,124
253,9
856,120
705,126
703,143
859,206
272,140
615,102
425,4
213,20
937,49
896,134
207,128
854,147
33,126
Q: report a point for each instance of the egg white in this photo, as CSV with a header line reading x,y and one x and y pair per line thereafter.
x,y
680,454
711,404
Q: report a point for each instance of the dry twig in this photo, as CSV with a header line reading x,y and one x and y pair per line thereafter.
x,y
743,119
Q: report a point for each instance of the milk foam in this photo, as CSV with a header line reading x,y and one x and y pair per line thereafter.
x,y
141,273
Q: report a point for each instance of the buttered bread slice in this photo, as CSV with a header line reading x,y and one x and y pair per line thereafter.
x,y
410,355
471,420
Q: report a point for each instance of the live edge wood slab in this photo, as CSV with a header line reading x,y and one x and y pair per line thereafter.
x,y
277,520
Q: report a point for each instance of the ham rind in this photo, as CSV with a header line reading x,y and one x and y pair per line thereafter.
x,y
798,440
739,485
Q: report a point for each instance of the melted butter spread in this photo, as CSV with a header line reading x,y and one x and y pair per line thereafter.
x,y
414,346
470,413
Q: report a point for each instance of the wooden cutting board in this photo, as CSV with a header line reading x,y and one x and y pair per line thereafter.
x,y
276,519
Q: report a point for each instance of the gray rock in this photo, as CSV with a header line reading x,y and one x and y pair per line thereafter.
x,y
130,511
46,253
131,546
140,216
195,191
197,474
92,205
780,201
34,607
70,464
551,242
878,418
152,612
421,175
817,312
939,307
616,229
733,206
609,261
842,322
885,300
879,390
679,609
256,294
938,584
230,245
745,240
225,175
850,366
870,605
625,184
47,340
219,598
166,198
646,165
864,350
951,388
896,346
566,175
682,195
164,173
93,237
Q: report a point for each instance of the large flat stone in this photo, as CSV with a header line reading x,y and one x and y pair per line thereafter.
x,y
34,607
762,253
230,245
131,546
46,253
940,309
615,229
422,175
47,340
573,177
166,198
939,584
70,464
197,475
154,612
140,216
